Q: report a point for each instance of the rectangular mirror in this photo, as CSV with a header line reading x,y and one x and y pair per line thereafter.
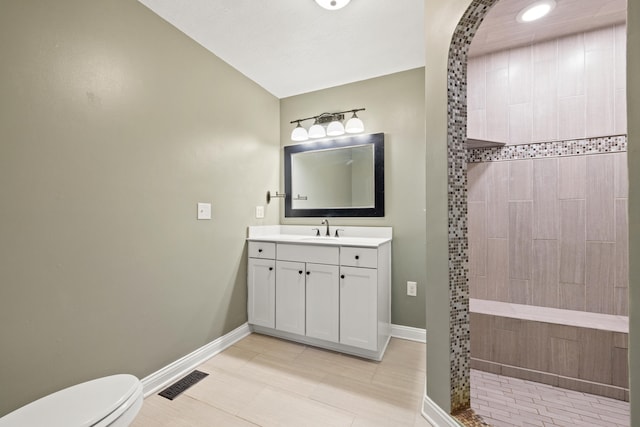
x,y
342,177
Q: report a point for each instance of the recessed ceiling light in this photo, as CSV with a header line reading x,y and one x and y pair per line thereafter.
x,y
333,4
536,10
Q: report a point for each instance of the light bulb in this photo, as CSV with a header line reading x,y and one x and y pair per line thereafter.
x,y
299,134
332,4
354,125
335,128
317,131
536,11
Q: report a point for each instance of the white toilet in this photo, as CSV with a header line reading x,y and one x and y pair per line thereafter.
x,y
110,401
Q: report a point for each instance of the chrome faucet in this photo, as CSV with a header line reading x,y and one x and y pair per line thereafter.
x,y
326,221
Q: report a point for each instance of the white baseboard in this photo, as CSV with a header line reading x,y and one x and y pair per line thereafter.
x,y
409,333
181,367
436,416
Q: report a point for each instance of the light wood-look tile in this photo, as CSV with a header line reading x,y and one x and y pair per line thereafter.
x,y
481,336
572,117
545,90
476,83
275,408
572,296
600,198
498,269
572,176
622,301
520,123
536,340
620,367
572,242
478,287
621,180
520,239
620,105
600,276
367,400
498,200
622,243
477,124
564,323
477,238
520,68
595,360
545,199
600,39
265,381
521,180
505,347
621,56
571,66
497,106
184,412
497,61
519,291
544,286
620,79
600,91
566,355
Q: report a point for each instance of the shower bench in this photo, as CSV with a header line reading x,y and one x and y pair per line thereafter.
x,y
575,350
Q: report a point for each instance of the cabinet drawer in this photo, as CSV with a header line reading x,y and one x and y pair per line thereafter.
x,y
359,257
262,250
308,253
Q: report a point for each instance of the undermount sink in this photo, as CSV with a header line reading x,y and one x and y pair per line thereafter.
x,y
320,239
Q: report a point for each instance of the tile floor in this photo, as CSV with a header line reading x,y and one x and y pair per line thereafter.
x,y
504,401
264,381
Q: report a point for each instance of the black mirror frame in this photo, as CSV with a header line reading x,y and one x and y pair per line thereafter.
x,y
377,139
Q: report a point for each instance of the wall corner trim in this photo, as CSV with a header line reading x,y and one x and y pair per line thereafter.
x,y
436,415
409,333
175,370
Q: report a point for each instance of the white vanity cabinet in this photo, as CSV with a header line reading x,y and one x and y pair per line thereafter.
x,y
261,284
333,295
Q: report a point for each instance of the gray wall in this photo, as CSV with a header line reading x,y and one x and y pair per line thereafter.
x,y
113,125
633,112
394,105
441,18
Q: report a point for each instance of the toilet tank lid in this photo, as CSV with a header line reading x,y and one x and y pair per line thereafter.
x,y
81,405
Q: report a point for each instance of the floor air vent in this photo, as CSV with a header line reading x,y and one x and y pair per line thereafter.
x,y
181,385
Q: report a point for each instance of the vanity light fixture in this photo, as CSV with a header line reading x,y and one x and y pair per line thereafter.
x,y
333,123
536,11
332,4
299,134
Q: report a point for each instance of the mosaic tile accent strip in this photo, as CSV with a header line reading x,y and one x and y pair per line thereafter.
x,y
572,147
469,418
459,345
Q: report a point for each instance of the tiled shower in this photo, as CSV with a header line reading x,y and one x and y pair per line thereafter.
x,y
548,226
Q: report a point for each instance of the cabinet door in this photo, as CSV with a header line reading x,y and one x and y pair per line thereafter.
x,y
290,296
261,301
323,302
358,307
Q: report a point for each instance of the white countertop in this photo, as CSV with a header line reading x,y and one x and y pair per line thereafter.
x,y
371,237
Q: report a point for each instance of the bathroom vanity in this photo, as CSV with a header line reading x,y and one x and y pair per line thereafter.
x,y
326,291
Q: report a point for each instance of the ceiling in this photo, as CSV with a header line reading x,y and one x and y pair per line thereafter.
x,y
294,46
500,30
291,47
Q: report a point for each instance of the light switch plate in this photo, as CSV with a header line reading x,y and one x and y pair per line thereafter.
x,y
204,210
259,212
412,289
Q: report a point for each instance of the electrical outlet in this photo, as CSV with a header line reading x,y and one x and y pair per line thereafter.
x,y
259,212
412,289
204,210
